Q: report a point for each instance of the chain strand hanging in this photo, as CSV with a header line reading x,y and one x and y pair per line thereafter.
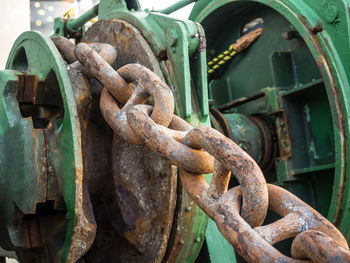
x,y
238,212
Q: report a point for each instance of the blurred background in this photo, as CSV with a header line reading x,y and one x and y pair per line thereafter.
x,y
22,15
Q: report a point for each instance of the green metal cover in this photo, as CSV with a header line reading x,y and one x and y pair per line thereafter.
x,y
320,91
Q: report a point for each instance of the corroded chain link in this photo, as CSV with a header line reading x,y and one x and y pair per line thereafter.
x,y
238,212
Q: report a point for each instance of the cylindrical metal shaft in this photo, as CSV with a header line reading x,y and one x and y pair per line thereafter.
x,y
73,25
176,6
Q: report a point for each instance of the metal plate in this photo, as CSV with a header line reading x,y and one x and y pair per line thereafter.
x,y
36,55
134,196
310,106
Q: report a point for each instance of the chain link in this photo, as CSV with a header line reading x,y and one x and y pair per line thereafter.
x,y
238,212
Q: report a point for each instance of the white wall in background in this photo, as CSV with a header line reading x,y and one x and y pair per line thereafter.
x,y
14,20
161,4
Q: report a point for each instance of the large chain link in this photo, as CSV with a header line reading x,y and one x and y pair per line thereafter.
x,y
139,107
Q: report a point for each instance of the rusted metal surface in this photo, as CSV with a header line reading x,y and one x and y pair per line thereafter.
x,y
83,233
146,198
245,41
335,85
27,88
133,191
254,244
84,229
243,167
31,234
208,198
290,208
269,146
312,244
189,155
162,99
222,123
223,206
65,47
124,38
106,51
148,86
178,154
239,212
102,71
284,141
97,148
131,186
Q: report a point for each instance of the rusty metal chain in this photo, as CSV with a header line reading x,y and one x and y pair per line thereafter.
x,y
238,212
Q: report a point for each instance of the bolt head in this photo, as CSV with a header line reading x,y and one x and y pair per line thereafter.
x,y
330,13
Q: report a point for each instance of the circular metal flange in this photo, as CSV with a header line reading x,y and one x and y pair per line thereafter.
x,y
43,99
130,45
318,93
267,145
134,225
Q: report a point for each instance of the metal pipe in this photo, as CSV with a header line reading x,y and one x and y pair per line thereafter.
x,y
73,25
176,6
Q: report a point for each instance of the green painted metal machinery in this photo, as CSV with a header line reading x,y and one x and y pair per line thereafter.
x,y
284,100
297,75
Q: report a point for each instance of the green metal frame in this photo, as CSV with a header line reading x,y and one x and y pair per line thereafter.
x,y
180,48
176,44
324,26
173,39
35,54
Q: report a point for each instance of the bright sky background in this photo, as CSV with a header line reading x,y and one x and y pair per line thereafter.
x,y
14,20
161,4
11,26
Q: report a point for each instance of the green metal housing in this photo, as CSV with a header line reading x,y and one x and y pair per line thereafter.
x,y
294,79
35,173
297,73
